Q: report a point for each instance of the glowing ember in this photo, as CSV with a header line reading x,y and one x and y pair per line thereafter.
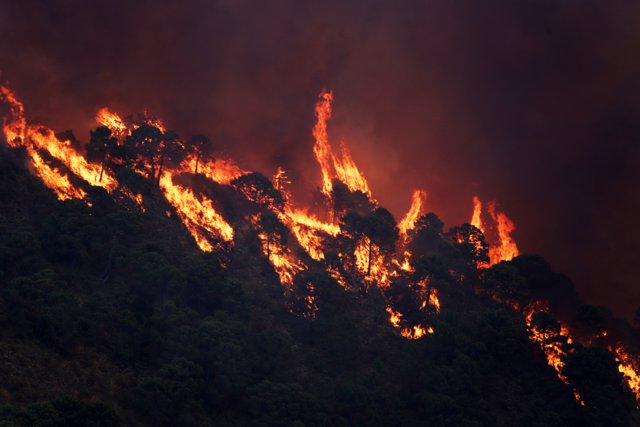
x,y
551,344
629,367
418,202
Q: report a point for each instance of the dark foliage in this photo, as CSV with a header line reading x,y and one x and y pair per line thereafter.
x,y
171,338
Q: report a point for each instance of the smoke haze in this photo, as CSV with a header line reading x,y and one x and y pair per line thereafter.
x,y
533,103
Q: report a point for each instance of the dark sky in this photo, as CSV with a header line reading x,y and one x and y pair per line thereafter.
x,y
533,103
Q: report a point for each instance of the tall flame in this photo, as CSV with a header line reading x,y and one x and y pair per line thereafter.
x,y
476,219
418,201
507,249
321,148
333,166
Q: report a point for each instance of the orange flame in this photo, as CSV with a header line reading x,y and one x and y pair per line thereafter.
x,y
197,214
551,347
342,167
418,202
222,171
629,367
53,179
19,133
507,248
476,219
112,121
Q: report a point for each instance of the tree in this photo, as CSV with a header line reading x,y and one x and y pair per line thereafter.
x,y
101,147
201,146
145,142
593,372
379,227
469,242
274,229
171,150
426,238
345,200
505,282
259,189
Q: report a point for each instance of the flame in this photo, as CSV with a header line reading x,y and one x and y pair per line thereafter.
x,y
551,347
222,171
112,121
321,148
629,367
197,214
418,200
309,230
53,179
476,219
284,263
507,248
35,137
340,166
413,332
14,125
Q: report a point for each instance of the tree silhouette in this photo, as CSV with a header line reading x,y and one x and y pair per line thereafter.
x,y
259,189
274,229
201,146
171,151
101,147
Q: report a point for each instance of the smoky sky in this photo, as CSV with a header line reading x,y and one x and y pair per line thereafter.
x,y
533,103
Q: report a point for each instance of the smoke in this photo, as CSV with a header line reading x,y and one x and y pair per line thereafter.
x,y
533,103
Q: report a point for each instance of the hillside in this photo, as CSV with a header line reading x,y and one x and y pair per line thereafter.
x,y
160,295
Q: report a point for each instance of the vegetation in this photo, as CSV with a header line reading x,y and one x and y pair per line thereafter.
x,y
111,317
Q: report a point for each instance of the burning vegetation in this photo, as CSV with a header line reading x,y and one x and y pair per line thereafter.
x,y
352,240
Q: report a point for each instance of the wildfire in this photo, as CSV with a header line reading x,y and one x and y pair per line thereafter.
x,y
418,201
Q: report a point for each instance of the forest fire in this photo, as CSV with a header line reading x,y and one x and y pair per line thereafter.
x,y
360,247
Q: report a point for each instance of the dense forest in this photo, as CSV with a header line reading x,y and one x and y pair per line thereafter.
x,y
113,312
